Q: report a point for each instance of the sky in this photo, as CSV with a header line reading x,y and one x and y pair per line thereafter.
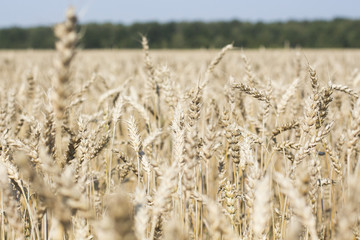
x,y
26,13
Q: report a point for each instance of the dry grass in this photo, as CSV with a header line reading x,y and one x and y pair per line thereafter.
x,y
179,144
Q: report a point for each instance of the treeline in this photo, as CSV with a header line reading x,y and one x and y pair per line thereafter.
x,y
338,33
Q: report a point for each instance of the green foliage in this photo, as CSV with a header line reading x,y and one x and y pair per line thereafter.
x,y
338,33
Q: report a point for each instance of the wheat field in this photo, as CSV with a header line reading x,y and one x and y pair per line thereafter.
x,y
166,144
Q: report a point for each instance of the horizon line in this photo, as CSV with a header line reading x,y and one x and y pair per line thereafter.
x,y
163,22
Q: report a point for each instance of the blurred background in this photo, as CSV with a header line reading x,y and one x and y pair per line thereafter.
x,y
185,23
